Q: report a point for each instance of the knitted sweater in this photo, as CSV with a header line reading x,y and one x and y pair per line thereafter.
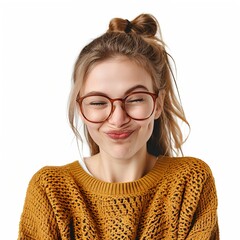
x,y
175,200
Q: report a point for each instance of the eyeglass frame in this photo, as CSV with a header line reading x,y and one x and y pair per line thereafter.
x,y
112,100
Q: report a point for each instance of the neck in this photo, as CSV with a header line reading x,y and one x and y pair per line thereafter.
x,y
109,169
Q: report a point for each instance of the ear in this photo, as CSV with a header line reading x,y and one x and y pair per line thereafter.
x,y
78,110
159,103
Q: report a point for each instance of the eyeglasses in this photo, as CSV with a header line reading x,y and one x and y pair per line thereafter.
x,y
98,108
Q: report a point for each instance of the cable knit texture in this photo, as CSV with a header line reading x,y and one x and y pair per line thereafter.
x,y
175,200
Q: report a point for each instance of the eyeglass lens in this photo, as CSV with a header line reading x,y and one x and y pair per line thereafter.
x,y
138,106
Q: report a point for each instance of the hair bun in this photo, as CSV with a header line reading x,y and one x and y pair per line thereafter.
x,y
144,24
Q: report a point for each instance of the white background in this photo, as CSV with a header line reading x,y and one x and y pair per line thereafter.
x,y
40,41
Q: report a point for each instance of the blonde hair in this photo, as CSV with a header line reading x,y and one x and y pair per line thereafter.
x,y
140,40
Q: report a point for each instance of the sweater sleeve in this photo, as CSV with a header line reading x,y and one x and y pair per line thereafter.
x,y
37,219
205,220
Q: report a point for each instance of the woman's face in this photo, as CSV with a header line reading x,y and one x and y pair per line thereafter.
x,y
120,136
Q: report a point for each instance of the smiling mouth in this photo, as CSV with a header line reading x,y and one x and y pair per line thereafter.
x,y
119,135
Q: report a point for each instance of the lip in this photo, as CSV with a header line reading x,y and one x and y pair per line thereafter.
x,y
119,135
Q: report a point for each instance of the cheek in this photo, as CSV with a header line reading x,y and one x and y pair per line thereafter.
x,y
147,127
150,127
93,130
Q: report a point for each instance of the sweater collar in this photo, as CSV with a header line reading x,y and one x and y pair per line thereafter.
x,y
90,184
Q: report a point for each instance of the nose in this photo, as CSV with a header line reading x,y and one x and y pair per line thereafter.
x,y
119,116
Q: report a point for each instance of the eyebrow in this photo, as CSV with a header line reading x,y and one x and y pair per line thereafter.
x,y
126,93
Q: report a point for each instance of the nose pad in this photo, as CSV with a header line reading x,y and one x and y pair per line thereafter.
x,y
119,115
121,107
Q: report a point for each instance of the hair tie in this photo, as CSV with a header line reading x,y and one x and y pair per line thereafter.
x,y
128,27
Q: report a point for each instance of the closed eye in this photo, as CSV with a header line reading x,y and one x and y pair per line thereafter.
x,y
98,103
135,100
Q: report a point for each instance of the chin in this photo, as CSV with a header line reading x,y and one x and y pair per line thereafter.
x,y
120,152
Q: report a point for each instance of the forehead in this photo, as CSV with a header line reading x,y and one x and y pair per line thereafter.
x,y
116,76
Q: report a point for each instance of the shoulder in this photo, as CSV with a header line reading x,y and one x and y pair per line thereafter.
x,y
51,174
188,167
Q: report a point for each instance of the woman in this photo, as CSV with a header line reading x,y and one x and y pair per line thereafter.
x,y
132,186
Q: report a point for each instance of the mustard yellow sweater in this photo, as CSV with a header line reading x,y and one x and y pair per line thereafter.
x,y
175,200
